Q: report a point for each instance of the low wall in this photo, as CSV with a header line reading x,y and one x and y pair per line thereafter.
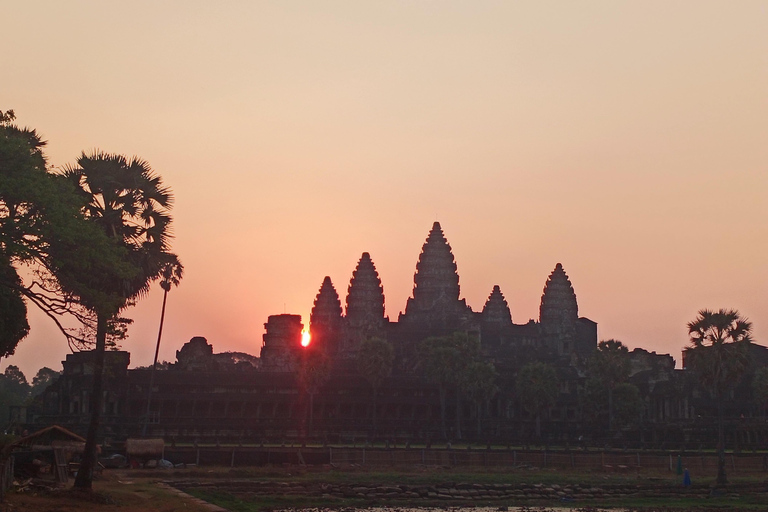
x,y
579,460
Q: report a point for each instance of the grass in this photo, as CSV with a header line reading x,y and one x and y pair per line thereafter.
x,y
663,481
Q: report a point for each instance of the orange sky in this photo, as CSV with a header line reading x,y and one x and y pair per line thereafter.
x,y
627,140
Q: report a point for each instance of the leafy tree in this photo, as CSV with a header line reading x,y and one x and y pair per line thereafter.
x,y
129,204
39,211
628,406
537,388
374,361
14,390
23,184
760,389
314,372
44,378
480,386
445,359
609,367
719,357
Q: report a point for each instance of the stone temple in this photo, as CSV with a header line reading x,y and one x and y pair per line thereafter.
x,y
436,309
235,397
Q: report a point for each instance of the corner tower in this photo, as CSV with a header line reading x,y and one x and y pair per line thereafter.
x,y
365,304
325,319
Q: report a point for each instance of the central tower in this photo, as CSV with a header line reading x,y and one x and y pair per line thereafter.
x,y
435,305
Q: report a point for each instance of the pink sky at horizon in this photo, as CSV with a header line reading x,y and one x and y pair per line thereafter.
x,y
626,140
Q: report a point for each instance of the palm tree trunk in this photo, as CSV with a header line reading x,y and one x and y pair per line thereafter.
x,y
610,409
311,411
458,415
721,476
479,421
154,366
375,406
442,412
538,426
84,479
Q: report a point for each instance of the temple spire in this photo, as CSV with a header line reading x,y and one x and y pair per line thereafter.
x,y
435,302
365,304
325,319
559,311
496,310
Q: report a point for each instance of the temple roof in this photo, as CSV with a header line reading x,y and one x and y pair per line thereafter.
x,y
365,295
496,309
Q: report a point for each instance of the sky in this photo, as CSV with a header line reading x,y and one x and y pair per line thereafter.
x,y
626,140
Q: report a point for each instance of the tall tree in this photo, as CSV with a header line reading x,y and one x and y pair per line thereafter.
x,y
445,359
609,367
537,389
128,202
172,273
480,386
719,357
628,406
40,210
374,362
760,389
314,372
45,377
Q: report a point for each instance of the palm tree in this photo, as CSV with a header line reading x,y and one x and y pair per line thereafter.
x,y
719,357
374,361
129,203
172,274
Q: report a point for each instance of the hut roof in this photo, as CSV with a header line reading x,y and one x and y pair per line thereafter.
x,y
50,436
147,447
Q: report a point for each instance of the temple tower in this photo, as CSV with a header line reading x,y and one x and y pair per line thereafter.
x,y
496,312
559,312
282,343
435,305
325,319
365,305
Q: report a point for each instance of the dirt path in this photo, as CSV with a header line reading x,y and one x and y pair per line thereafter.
x,y
116,491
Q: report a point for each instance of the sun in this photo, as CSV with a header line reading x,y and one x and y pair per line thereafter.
x,y
305,338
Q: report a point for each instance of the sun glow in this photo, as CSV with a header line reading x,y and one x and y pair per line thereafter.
x,y
305,338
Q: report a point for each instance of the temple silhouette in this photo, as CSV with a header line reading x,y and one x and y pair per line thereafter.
x,y
207,396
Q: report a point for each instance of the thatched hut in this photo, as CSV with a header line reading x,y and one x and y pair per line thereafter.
x,y
145,448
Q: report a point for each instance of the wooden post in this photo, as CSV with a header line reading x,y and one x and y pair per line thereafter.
x,y
232,462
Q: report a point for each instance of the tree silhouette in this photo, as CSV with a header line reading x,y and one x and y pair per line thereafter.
x,y
537,389
172,273
719,357
128,202
374,362
480,386
445,359
314,372
628,406
609,367
760,389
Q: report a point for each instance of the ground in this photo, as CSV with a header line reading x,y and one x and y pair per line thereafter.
x,y
114,491
400,489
